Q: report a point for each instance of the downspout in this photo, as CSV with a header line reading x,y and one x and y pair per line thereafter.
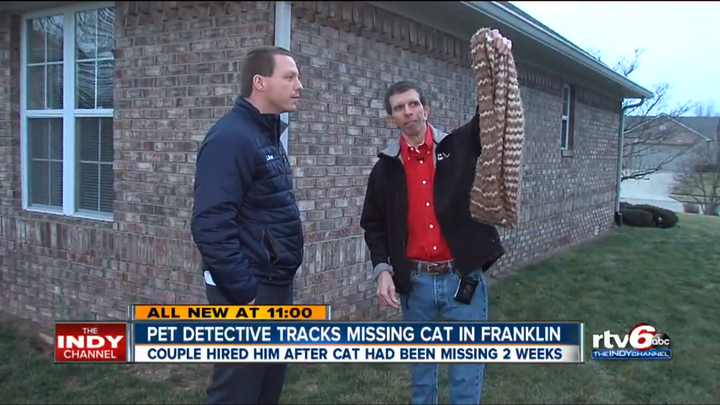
x,y
283,33
621,141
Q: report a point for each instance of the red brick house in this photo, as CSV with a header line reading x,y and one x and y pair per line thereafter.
x,y
102,106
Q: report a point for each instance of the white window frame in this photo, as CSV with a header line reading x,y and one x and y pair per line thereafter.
x,y
67,114
566,118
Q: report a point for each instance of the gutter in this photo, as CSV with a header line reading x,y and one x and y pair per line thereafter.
x,y
621,141
555,42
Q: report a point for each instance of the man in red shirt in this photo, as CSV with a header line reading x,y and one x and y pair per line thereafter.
x,y
424,244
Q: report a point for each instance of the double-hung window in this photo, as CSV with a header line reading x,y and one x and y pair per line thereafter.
x,y
67,69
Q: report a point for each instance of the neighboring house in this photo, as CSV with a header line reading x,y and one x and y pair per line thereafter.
x,y
104,104
672,144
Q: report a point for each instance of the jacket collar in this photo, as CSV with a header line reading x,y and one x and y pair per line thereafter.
x,y
393,150
269,122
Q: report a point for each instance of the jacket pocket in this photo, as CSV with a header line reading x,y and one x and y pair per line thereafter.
x,y
272,247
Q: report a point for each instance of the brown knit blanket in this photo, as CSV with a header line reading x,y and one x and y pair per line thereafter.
x,y
495,194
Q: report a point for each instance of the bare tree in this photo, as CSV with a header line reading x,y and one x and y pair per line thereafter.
x,y
706,109
643,134
699,182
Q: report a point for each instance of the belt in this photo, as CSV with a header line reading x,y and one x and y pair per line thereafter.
x,y
433,269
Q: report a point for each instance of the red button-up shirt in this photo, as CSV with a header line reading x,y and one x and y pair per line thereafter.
x,y
425,242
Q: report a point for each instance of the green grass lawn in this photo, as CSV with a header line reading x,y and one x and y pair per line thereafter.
x,y
669,278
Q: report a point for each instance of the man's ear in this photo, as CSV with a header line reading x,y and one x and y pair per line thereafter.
x,y
258,83
390,120
426,109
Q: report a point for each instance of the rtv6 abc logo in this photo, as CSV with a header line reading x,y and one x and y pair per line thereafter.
x,y
646,337
642,337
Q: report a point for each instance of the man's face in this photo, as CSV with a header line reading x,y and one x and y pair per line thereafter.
x,y
408,113
282,89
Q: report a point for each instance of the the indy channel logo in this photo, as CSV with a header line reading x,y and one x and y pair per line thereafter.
x,y
643,342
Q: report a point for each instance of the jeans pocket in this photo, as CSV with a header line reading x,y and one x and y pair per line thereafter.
x,y
216,296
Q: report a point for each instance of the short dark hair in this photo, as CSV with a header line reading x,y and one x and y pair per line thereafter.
x,y
400,88
259,61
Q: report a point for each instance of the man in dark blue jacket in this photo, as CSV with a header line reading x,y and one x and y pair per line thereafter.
x,y
245,222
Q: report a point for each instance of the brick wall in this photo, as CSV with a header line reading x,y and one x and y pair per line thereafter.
x,y
9,118
176,72
336,134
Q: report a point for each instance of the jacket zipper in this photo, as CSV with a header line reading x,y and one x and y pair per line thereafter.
x,y
404,178
405,233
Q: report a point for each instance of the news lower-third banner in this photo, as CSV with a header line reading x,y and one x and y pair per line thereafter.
x,y
221,340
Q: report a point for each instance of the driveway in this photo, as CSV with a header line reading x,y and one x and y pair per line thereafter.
x,y
654,190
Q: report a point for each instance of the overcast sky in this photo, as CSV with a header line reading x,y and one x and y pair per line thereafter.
x,y
682,40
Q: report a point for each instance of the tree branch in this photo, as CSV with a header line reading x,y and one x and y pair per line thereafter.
x,y
699,181
647,126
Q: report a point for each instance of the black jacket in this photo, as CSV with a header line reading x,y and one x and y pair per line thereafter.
x,y
384,217
245,222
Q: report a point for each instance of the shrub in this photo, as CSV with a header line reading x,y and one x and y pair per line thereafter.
x,y
691,208
662,218
706,168
637,218
625,205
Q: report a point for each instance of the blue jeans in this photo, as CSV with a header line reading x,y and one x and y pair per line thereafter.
x,y
431,299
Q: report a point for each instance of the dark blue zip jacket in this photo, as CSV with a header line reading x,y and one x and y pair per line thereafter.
x,y
245,222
